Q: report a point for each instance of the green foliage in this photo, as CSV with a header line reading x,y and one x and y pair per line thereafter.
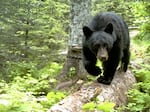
x,y
51,69
21,69
53,98
139,101
121,7
25,76
32,30
145,32
23,93
142,9
139,96
89,106
142,75
14,100
105,106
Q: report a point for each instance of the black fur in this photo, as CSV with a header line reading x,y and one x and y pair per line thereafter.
x,y
109,30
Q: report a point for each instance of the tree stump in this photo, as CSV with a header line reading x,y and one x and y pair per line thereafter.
x,y
73,60
116,92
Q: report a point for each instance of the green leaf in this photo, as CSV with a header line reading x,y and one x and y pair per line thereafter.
x,y
89,106
106,106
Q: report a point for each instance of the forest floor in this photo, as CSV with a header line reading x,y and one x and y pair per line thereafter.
x,y
133,33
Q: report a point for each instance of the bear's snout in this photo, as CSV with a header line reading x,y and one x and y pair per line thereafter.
x,y
102,54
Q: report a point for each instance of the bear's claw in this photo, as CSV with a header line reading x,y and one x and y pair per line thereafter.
x,y
104,80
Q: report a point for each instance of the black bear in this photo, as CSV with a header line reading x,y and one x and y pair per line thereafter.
x,y
106,38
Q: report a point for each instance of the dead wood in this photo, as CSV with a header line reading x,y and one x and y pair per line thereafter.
x,y
73,60
67,84
116,92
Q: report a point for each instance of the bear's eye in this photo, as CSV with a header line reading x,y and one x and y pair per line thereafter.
x,y
95,48
105,45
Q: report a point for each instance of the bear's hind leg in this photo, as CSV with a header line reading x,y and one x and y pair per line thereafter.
x,y
125,60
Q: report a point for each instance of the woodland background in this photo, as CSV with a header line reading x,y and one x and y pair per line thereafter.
x,y
33,42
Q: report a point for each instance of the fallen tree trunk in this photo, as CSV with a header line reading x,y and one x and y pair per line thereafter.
x,y
116,92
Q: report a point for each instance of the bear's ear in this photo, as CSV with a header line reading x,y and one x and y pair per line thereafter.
x,y
87,32
109,28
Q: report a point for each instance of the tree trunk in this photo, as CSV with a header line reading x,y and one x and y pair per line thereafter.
x,y
116,92
80,13
27,34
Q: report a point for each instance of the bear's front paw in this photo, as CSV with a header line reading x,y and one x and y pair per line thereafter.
x,y
93,70
96,71
104,80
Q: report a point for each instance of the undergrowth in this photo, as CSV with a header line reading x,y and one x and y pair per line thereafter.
x,y
29,89
139,96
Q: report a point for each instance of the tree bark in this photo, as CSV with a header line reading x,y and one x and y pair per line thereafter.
x,y
80,14
116,92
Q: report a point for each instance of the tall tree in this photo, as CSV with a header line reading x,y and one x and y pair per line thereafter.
x,y
80,14
31,31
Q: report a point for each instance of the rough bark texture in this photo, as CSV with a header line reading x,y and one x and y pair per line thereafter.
x,y
80,14
116,92
73,60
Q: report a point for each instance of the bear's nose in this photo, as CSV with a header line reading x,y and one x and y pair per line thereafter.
x,y
103,58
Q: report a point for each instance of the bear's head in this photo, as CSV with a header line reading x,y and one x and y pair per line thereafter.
x,y
99,42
